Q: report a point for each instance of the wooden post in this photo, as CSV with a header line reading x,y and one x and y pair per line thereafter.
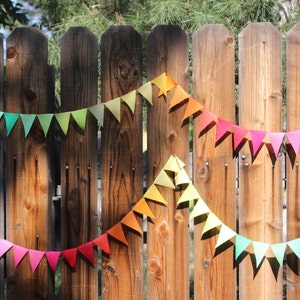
x,y
121,157
168,250
79,74
260,198
214,167
293,123
29,188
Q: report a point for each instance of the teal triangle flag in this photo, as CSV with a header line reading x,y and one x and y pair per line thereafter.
x,y
241,243
259,251
279,250
45,121
27,120
98,112
10,121
80,117
295,246
63,120
1,114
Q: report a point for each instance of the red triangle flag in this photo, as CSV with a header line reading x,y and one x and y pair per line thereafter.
x,y
52,258
207,118
294,139
222,128
35,257
276,141
117,232
4,246
70,256
19,254
131,221
87,250
102,242
239,134
192,107
257,138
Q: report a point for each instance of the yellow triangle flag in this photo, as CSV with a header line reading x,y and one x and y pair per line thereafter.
x,y
146,91
190,193
131,221
163,179
130,99
154,194
142,208
179,96
199,209
172,165
114,106
182,178
165,83
212,222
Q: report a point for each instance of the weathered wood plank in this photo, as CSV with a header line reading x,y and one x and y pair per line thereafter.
x,y
121,157
79,75
29,187
168,257
260,198
214,167
293,123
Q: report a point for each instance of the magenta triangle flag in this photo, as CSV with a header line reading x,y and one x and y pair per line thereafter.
x,y
35,257
257,138
239,134
222,128
4,246
87,250
52,258
102,242
207,118
19,254
70,256
294,139
276,141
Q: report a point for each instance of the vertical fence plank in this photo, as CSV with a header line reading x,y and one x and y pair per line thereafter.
x,y
214,168
79,75
29,188
168,236
121,159
260,202
293,123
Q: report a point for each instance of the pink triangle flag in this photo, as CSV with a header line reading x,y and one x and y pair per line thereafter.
x,y
52,258
276,141
102,242
35,257
4,246
294,139
207,118
222,128
70,256
239,134
87,250
19,254
257,138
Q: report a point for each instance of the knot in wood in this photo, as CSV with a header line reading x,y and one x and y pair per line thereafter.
x,y
229,40
163,229
154,266
30,95
179,217
172,136
203,172
11,53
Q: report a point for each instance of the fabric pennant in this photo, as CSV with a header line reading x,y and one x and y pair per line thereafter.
x,y
211,222
146,91
199,209
63,120
190,193
207,118
295,246
276,141
179,96
4,246
27,120
143,208
19,254
45,121
294,140
52,258
70,256
182,178
1,114
180,163
10,121
172,164
241,243
130,221
87,250
279,251
130,100
239,134
257,138
225,235
98,112
259,251
80,117
102,243
193,107
114,106
164,180
35,257
117,232
164,82
154,194
223,127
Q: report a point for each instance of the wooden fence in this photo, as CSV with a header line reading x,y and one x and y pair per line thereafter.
x,y
173,260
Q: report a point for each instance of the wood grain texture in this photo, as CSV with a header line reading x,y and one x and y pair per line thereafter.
x,y
79,77
214,167
121,156
167,50
29,183
293,123
260,197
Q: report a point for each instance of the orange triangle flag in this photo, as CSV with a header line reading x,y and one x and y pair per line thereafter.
x,y
142,208
131,221
179,95
117,232
193,107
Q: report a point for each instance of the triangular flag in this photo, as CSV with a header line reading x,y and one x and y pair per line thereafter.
x,y
98,112
192,108
257,138
199,209
63,120
10,121
27,120
143,208
19,254
206,119
45,121
154,194
225,234
70,256
4,246
212,222
114,106
131,221
190,193
87,250
222,128
174,164
35,257
164,82
259,251
239,134
279,250
102,242
164,180
80,117
294,139
276,141
180,163
130,99
1,114
146,91
117,232
182,178
241,243
179,95
52,258
295,246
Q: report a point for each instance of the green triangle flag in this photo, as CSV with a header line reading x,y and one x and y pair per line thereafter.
x,y
10,121
225,234
98,112
63,120
200,209
279,250
259,251
80,117
295,246
241,243
190,193
130,100
212,222
27,120
163,179
115,107
146,91
45,121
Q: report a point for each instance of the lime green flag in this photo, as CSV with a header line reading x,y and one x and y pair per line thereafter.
x,y
146,91
27,120
130,99
80,117
63,120
98,112
115,107
10,121
45,121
